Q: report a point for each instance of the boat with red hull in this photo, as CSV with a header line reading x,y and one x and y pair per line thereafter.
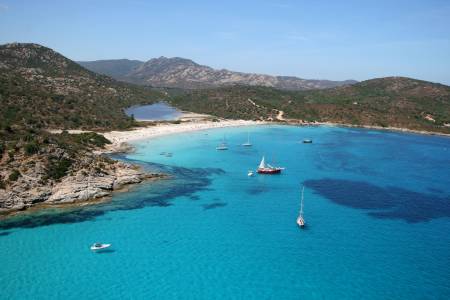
x,y
268,169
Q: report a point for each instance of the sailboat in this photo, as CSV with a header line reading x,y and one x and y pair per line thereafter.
x,y
223,145
247,144
268,169
300,220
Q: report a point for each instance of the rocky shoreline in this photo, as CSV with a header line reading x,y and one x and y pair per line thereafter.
x,y
78,188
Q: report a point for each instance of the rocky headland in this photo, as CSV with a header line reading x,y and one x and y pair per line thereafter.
x,y
92,178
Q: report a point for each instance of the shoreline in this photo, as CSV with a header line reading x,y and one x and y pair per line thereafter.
x,y
43,206
120,139
120,144
392,129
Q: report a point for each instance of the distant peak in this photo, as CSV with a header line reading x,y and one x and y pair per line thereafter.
x,y
175,60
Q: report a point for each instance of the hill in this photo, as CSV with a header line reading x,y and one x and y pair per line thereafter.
x,y
183,73
387,102
41,89
116,68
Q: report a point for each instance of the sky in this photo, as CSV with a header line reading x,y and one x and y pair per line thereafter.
x,y
334,40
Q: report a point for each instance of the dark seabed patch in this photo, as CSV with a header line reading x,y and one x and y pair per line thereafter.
x,y
183,182
214,205
434,190
259,189
383,202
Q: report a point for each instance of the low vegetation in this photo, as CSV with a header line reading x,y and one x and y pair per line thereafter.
x,y
394,101
40,88
41,154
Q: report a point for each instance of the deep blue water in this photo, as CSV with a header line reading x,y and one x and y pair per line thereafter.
x,y
377,205
158,111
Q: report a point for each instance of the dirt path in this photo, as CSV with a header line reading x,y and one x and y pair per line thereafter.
x,y
280,115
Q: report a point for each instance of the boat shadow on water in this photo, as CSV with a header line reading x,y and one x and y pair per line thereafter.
x,y
304,227
106,251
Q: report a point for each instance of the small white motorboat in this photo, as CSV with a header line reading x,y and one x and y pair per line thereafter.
x,y
99,246
250,173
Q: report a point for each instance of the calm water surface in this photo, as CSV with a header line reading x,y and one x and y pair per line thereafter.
x,y
159,111
377,205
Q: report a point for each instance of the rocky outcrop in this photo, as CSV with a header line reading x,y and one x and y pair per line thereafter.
x,y
79,187
82,187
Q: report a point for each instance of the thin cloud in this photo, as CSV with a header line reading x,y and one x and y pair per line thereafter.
x,y
3,7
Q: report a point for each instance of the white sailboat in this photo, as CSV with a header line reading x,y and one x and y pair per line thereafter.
x,y
247,144
300,220
223,145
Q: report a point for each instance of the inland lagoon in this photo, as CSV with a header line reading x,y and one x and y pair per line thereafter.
x,y
158,111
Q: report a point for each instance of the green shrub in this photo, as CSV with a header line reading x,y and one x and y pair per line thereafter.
x,y
91,138
15,174
11,155
2,184
58,169
31,148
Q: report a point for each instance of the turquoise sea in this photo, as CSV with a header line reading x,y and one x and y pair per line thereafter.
x,y
377,205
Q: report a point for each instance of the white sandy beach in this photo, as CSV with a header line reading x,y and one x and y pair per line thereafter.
x,y
119,137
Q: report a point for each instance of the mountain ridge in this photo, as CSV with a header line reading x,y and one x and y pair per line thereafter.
x,y
177,72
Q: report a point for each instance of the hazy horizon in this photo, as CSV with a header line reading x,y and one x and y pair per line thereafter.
x,y
357,40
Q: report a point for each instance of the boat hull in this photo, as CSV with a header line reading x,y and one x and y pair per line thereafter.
x,y
100,248
301,222
269,171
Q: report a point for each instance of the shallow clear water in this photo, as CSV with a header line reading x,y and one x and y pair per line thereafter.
x,y
377,205
159,111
